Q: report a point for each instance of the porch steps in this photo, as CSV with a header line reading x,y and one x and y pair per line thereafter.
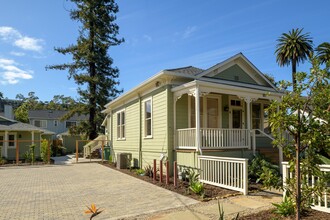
x,y
270,153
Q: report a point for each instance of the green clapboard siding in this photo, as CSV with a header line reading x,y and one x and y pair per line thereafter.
x,y
188,159
234,72
182,112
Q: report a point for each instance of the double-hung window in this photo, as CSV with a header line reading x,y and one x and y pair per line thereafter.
x,y
121,125
40,123
148,118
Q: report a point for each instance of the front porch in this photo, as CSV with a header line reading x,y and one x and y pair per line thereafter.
x,y
211,116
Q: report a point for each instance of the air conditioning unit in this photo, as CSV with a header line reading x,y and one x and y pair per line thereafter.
x,y
124,160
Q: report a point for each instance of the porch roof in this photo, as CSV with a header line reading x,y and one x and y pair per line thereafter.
x,y
209,85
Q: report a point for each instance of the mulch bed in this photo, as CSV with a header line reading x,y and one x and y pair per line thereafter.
x,y
213,192
210,192
268,214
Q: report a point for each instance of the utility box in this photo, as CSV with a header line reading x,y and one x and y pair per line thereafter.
x,y
123,160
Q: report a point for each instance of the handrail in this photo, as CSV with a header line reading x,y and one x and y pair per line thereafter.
x,y
262,132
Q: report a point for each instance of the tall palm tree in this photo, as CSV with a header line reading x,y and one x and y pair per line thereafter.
x,y
323,52
292,48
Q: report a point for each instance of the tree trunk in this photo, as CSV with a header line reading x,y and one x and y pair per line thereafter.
x,y
294,70
92,87
298,173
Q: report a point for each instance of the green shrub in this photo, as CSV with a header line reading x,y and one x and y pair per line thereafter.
x,y
285,208
197,187
44,150
265,172
139,172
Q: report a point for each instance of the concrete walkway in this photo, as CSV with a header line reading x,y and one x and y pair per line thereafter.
x,y
64,191
71,158
243,205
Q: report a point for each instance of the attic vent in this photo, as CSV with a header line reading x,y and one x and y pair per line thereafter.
x,y
236,78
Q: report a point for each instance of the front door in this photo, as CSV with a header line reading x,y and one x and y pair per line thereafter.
x,y
237,118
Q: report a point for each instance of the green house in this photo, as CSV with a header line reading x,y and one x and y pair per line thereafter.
x,y
16,137
181,113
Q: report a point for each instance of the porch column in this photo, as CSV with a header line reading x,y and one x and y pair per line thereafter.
x,y
197,114
280,151
248,121
5,144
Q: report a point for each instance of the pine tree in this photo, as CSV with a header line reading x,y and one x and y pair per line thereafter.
x,y
91,67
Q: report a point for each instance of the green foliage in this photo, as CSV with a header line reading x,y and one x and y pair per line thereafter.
x,y
44,150
285,208
323,52
265,172
192,175
110,158
304,116
92,67
29,155
221,212
140,172
197,187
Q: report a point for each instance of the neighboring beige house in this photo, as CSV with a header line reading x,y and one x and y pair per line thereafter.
x,y
13,133
225,103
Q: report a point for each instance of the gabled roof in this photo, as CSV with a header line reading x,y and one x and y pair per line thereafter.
x,y
238,59
190,70
54,114
7,124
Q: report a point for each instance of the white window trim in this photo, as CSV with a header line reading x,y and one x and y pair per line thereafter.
x,y
144,118
15,139
121,138
40,123
262,116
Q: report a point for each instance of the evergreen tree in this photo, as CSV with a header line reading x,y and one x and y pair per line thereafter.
x,y
92,67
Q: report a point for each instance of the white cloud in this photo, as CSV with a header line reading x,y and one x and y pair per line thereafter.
x,y
28,43
11,74
188,32
18,54
147,37
14,37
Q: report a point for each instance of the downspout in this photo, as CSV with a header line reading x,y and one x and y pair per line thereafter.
x,y
140,129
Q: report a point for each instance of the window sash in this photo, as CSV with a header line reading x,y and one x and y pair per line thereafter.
x,y
148,118
121,125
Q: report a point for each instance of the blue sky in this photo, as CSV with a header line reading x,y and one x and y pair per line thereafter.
x,y
158,35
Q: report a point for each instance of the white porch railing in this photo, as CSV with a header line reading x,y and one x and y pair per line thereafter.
x,y
320,203
186,138
212,138
226,172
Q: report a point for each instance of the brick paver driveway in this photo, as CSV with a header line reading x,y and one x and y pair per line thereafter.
x,y
63,191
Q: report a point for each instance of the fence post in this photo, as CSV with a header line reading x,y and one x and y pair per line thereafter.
x,y
76,151
167,172
160,171
102,151
155,170
285,176
245,179
175,174
48,152
17,152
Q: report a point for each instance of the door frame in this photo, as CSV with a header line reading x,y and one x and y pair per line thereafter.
x,y
231,108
